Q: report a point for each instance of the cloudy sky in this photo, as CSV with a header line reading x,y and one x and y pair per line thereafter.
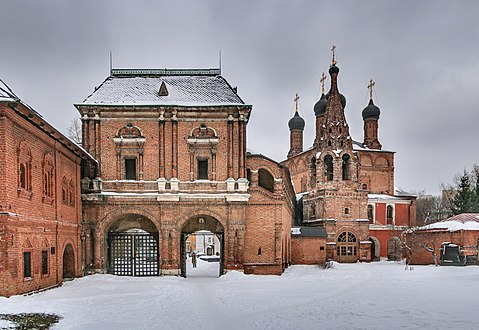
x,y
423,56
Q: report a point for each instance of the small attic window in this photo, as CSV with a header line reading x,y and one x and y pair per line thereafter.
x,y
163,90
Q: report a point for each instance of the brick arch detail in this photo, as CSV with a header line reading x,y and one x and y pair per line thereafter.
x,y
343,229
114,216
200,212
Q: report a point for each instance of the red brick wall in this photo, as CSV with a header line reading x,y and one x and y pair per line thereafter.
x,y
307,250
380,217
29,222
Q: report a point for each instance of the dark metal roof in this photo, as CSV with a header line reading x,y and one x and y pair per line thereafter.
x,y
311,232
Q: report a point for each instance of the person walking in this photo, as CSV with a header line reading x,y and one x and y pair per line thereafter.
x,y
193,259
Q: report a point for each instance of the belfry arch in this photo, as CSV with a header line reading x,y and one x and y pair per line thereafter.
x,y
201,223
133,246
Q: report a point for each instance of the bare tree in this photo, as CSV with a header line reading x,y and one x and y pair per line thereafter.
x,y
75,130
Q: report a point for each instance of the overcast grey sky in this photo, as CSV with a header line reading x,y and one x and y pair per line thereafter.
x,y
423,56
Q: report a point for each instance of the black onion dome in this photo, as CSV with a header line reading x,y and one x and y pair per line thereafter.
x,y
333,69
342,98
320,106
371,111
296,123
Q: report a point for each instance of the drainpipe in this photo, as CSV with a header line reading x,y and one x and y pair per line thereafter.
x,y
56,209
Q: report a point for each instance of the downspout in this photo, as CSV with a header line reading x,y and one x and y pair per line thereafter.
x,y
56,209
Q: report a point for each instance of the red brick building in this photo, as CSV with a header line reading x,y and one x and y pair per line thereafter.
x,y
40,206
172,160
347,187
461,231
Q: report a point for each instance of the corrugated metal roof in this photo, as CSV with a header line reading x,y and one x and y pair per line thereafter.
x,y
183,90
309,232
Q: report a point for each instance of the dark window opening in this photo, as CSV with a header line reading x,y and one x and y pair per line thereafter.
x,y
259,251
328,160
370,213
313,171
329,143
44,262
346,158
346,210
27,266
389,215
202,169
23,180
313,211
130,169
365,186
321,248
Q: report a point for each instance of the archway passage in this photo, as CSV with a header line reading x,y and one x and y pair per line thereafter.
x,y
203,236
375,248
68,262
347,247
133,247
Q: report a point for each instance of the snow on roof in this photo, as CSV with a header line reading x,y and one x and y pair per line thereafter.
x,y
188,89
463,221
358,146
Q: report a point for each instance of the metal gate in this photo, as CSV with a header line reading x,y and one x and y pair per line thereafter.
x,y
133,254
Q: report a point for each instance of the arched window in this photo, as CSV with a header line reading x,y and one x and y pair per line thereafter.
x,y
389,214
24,168
346,210
346,159
265,179
328,161
64,190
370,213
365,186
312,168
346,245
47,179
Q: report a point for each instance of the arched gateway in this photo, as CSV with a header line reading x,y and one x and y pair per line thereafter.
x,y
197,223
133,247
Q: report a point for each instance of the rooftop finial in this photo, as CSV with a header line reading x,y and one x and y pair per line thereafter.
x,y
333,61
370,86
323,78
296,100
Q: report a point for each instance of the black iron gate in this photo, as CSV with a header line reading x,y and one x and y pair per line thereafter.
x,y
133,254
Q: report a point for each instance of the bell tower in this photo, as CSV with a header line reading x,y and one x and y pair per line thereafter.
x,y
296,128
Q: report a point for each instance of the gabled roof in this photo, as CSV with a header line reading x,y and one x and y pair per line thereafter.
x,y
184,87
463,221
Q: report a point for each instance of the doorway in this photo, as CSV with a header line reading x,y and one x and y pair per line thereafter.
x,y
202,247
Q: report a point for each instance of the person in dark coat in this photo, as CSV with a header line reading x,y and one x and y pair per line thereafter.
x,y
193,259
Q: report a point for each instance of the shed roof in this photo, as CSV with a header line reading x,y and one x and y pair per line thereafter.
x,y
309,232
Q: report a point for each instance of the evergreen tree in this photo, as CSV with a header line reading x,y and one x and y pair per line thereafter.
x,y
461,203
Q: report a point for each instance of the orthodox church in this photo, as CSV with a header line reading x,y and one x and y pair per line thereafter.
x,y
344,186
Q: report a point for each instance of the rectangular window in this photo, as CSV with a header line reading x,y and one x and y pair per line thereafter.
x,y
27,266
44,262
202,169
130,169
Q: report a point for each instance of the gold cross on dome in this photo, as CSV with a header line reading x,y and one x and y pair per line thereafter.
x,y
323,78
370,86
296,100
333,62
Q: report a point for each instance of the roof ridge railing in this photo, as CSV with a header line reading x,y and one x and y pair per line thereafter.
x,y
165,72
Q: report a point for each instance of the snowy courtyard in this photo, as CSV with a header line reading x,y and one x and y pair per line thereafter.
x,y
382,295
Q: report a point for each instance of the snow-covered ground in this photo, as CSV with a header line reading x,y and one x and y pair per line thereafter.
x,y
380,295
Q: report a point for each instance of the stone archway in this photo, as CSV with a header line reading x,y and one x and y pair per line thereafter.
x,y
133,246
68,262
201,223
375,248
